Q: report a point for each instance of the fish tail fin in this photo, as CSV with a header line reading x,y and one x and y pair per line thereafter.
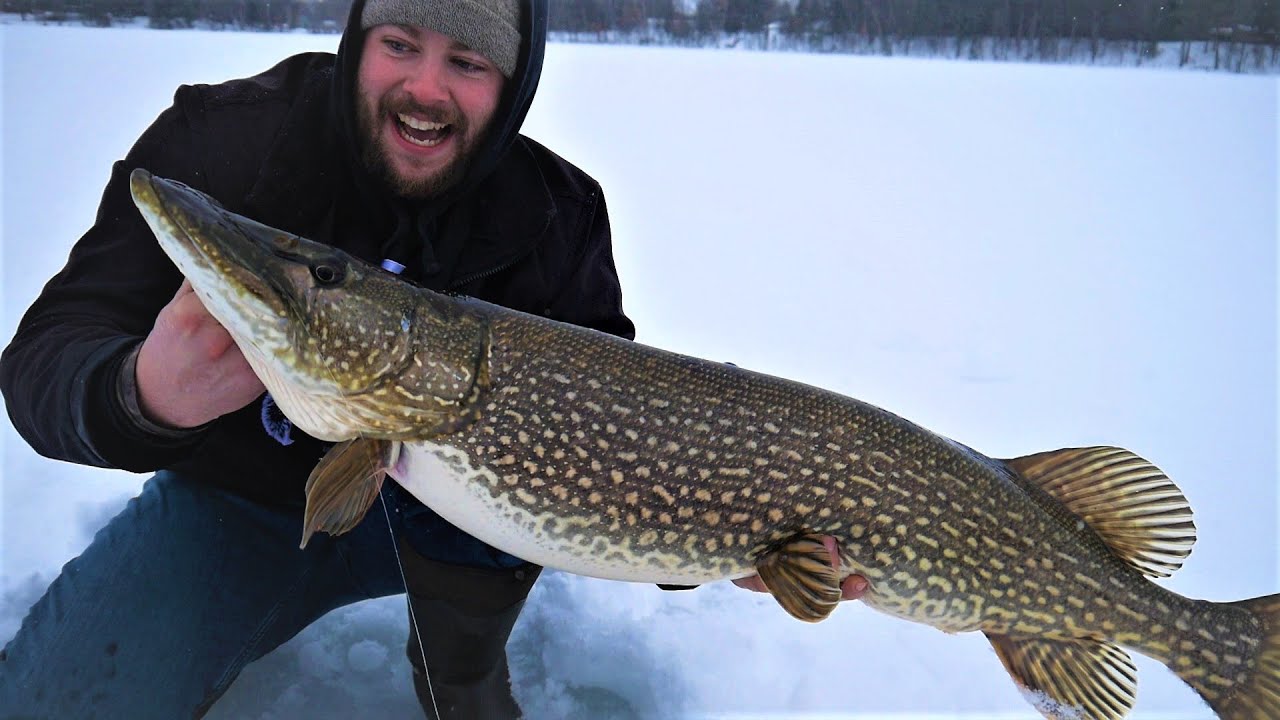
x,y
1241,680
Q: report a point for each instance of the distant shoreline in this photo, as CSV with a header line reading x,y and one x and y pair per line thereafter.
x,y
1217,55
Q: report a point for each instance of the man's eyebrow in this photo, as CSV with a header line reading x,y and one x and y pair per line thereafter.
x,y
459,46
416,33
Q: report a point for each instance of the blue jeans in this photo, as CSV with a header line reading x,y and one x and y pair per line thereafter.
x,y
187,586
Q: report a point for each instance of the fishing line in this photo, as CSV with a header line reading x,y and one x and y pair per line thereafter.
x,y
413,618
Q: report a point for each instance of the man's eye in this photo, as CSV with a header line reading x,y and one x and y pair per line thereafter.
x,y
467,65
395,46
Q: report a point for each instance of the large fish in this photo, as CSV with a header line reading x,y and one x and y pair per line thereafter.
x,y
581,451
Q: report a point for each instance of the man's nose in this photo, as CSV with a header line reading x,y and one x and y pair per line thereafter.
x,y
427,84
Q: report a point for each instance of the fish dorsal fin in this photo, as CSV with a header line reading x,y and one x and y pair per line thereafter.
x,y
802,577
1139,513
1071,679
345,483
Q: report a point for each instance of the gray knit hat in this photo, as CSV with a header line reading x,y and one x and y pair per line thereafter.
x,y
490,27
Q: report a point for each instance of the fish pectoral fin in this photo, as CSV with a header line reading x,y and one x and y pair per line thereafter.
x,y
1137,511
345,483
1070,679
802,577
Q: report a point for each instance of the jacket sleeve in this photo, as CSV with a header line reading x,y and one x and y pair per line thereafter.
x,y
591,295
61,372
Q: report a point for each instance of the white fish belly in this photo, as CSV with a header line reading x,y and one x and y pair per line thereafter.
x,y
444,479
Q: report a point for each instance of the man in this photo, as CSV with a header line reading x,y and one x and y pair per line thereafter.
x,y
401,149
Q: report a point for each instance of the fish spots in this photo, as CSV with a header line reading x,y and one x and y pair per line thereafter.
x,y
1089,582
906,579
664,494
879,463
932,543
939,582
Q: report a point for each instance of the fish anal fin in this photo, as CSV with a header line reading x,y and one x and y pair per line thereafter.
x,y
1139,513
802,576
344,485
1070,679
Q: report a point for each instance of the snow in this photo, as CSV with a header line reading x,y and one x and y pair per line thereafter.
x,y
1052,708
1020,257
367,656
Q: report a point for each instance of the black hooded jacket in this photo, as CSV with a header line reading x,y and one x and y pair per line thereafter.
x,y
524,229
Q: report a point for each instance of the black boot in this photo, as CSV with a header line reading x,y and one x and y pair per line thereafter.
x,y
465,615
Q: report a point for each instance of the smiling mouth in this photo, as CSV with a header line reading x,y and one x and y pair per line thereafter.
x,y
422,133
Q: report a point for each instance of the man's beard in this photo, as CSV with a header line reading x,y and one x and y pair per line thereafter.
x,y
374,155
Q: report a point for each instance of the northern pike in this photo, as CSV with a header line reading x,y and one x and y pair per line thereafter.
x,y
599,456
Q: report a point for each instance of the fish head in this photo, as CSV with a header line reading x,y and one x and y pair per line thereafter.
x,y
346,349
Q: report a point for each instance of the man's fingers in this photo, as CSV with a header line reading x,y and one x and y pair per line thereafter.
x,y
238,365
853,587
833,551
187,299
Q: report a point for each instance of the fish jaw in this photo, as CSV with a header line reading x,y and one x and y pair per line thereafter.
x,y
211,255
234,266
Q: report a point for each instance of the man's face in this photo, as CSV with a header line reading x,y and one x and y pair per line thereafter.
x,y
423,104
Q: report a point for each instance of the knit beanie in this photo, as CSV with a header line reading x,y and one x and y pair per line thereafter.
x,y
490,27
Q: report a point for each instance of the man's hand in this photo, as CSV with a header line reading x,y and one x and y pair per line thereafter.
x,y
851,588
189,370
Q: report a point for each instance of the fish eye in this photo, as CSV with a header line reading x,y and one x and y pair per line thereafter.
x,y
326,274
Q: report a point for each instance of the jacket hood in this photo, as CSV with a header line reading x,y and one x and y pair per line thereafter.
x,y
415,219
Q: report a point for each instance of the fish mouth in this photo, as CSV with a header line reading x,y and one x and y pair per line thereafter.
x,y
234,265
227,258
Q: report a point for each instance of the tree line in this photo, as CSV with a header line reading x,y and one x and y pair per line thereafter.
x,y
1166,20
1236,30
313,15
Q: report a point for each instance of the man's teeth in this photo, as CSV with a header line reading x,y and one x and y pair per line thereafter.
x,y
411,125
417,124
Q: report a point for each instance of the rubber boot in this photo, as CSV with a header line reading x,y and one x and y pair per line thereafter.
x,y
465,616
